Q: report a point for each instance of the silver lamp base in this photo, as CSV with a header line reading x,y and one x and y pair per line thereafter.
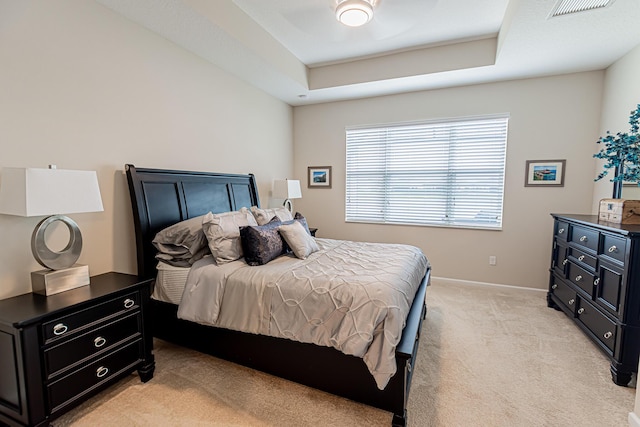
x,y
49,282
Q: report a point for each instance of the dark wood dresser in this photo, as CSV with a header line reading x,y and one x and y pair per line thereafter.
x,y
595,280
57,351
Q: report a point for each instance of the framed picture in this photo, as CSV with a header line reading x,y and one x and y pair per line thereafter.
x,y
545,173
319,177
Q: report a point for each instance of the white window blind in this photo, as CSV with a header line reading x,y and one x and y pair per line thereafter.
x,y
448,172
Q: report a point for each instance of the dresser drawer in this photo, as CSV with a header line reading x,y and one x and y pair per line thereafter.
x,y
600,325
585,237
65,355
580,277
564,293
65,325
583,259
83,381
562,230
614,247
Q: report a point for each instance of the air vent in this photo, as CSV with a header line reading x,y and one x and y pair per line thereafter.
x,y
565,7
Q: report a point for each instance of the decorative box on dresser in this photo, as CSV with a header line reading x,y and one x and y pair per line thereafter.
x,y
595,280
57,351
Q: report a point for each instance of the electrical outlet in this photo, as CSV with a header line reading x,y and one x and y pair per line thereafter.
x,y
492,260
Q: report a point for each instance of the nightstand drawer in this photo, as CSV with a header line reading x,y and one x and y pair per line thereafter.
x,y
67,354
86,379
64,326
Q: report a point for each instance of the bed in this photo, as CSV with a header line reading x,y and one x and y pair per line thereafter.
x,y
161,198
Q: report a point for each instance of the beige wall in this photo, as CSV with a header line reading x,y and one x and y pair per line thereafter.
x,y
621,96
84,88
551,118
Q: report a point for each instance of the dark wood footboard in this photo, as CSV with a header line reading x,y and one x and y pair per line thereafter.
x,y
324,368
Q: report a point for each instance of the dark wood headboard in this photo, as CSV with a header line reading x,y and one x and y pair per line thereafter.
x,y
160,198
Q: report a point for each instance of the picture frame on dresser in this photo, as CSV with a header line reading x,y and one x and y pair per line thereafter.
x,y
544,173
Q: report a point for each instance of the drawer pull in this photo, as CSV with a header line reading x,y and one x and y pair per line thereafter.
x,y
99,342
101,371
571,301
578,278
613,249
581,310
596,282
60,329
607,335
565,261
554,286
560,231
128,303
581,258
583,239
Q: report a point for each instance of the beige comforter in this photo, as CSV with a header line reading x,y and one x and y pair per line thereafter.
x,y
352,296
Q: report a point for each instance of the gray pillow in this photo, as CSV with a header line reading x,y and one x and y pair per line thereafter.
x,y
185,260
263,216
185,237
298,239
223,233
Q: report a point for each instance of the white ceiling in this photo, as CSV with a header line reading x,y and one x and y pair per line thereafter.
x,y
311,32
296,51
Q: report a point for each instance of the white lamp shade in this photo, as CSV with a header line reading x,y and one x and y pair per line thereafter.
x,y
287,189
41,192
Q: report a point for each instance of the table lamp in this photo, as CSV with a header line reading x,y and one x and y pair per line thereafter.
x,y
52,193
287,189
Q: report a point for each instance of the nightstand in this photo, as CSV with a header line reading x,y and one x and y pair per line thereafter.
x,y
57,351
313,231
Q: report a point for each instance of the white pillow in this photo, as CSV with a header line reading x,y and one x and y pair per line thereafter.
x,y
298,239
223,233
263,216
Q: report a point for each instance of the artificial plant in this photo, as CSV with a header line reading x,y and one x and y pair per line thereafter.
x,y
622,153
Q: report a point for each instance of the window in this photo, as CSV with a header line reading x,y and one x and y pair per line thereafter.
x,y
445,172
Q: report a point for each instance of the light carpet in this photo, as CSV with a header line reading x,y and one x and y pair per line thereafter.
x,y
489,356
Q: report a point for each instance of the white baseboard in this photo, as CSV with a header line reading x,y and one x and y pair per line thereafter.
x,y
444,281
634,420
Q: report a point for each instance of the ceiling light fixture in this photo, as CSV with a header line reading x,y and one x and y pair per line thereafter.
x,y
354,13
